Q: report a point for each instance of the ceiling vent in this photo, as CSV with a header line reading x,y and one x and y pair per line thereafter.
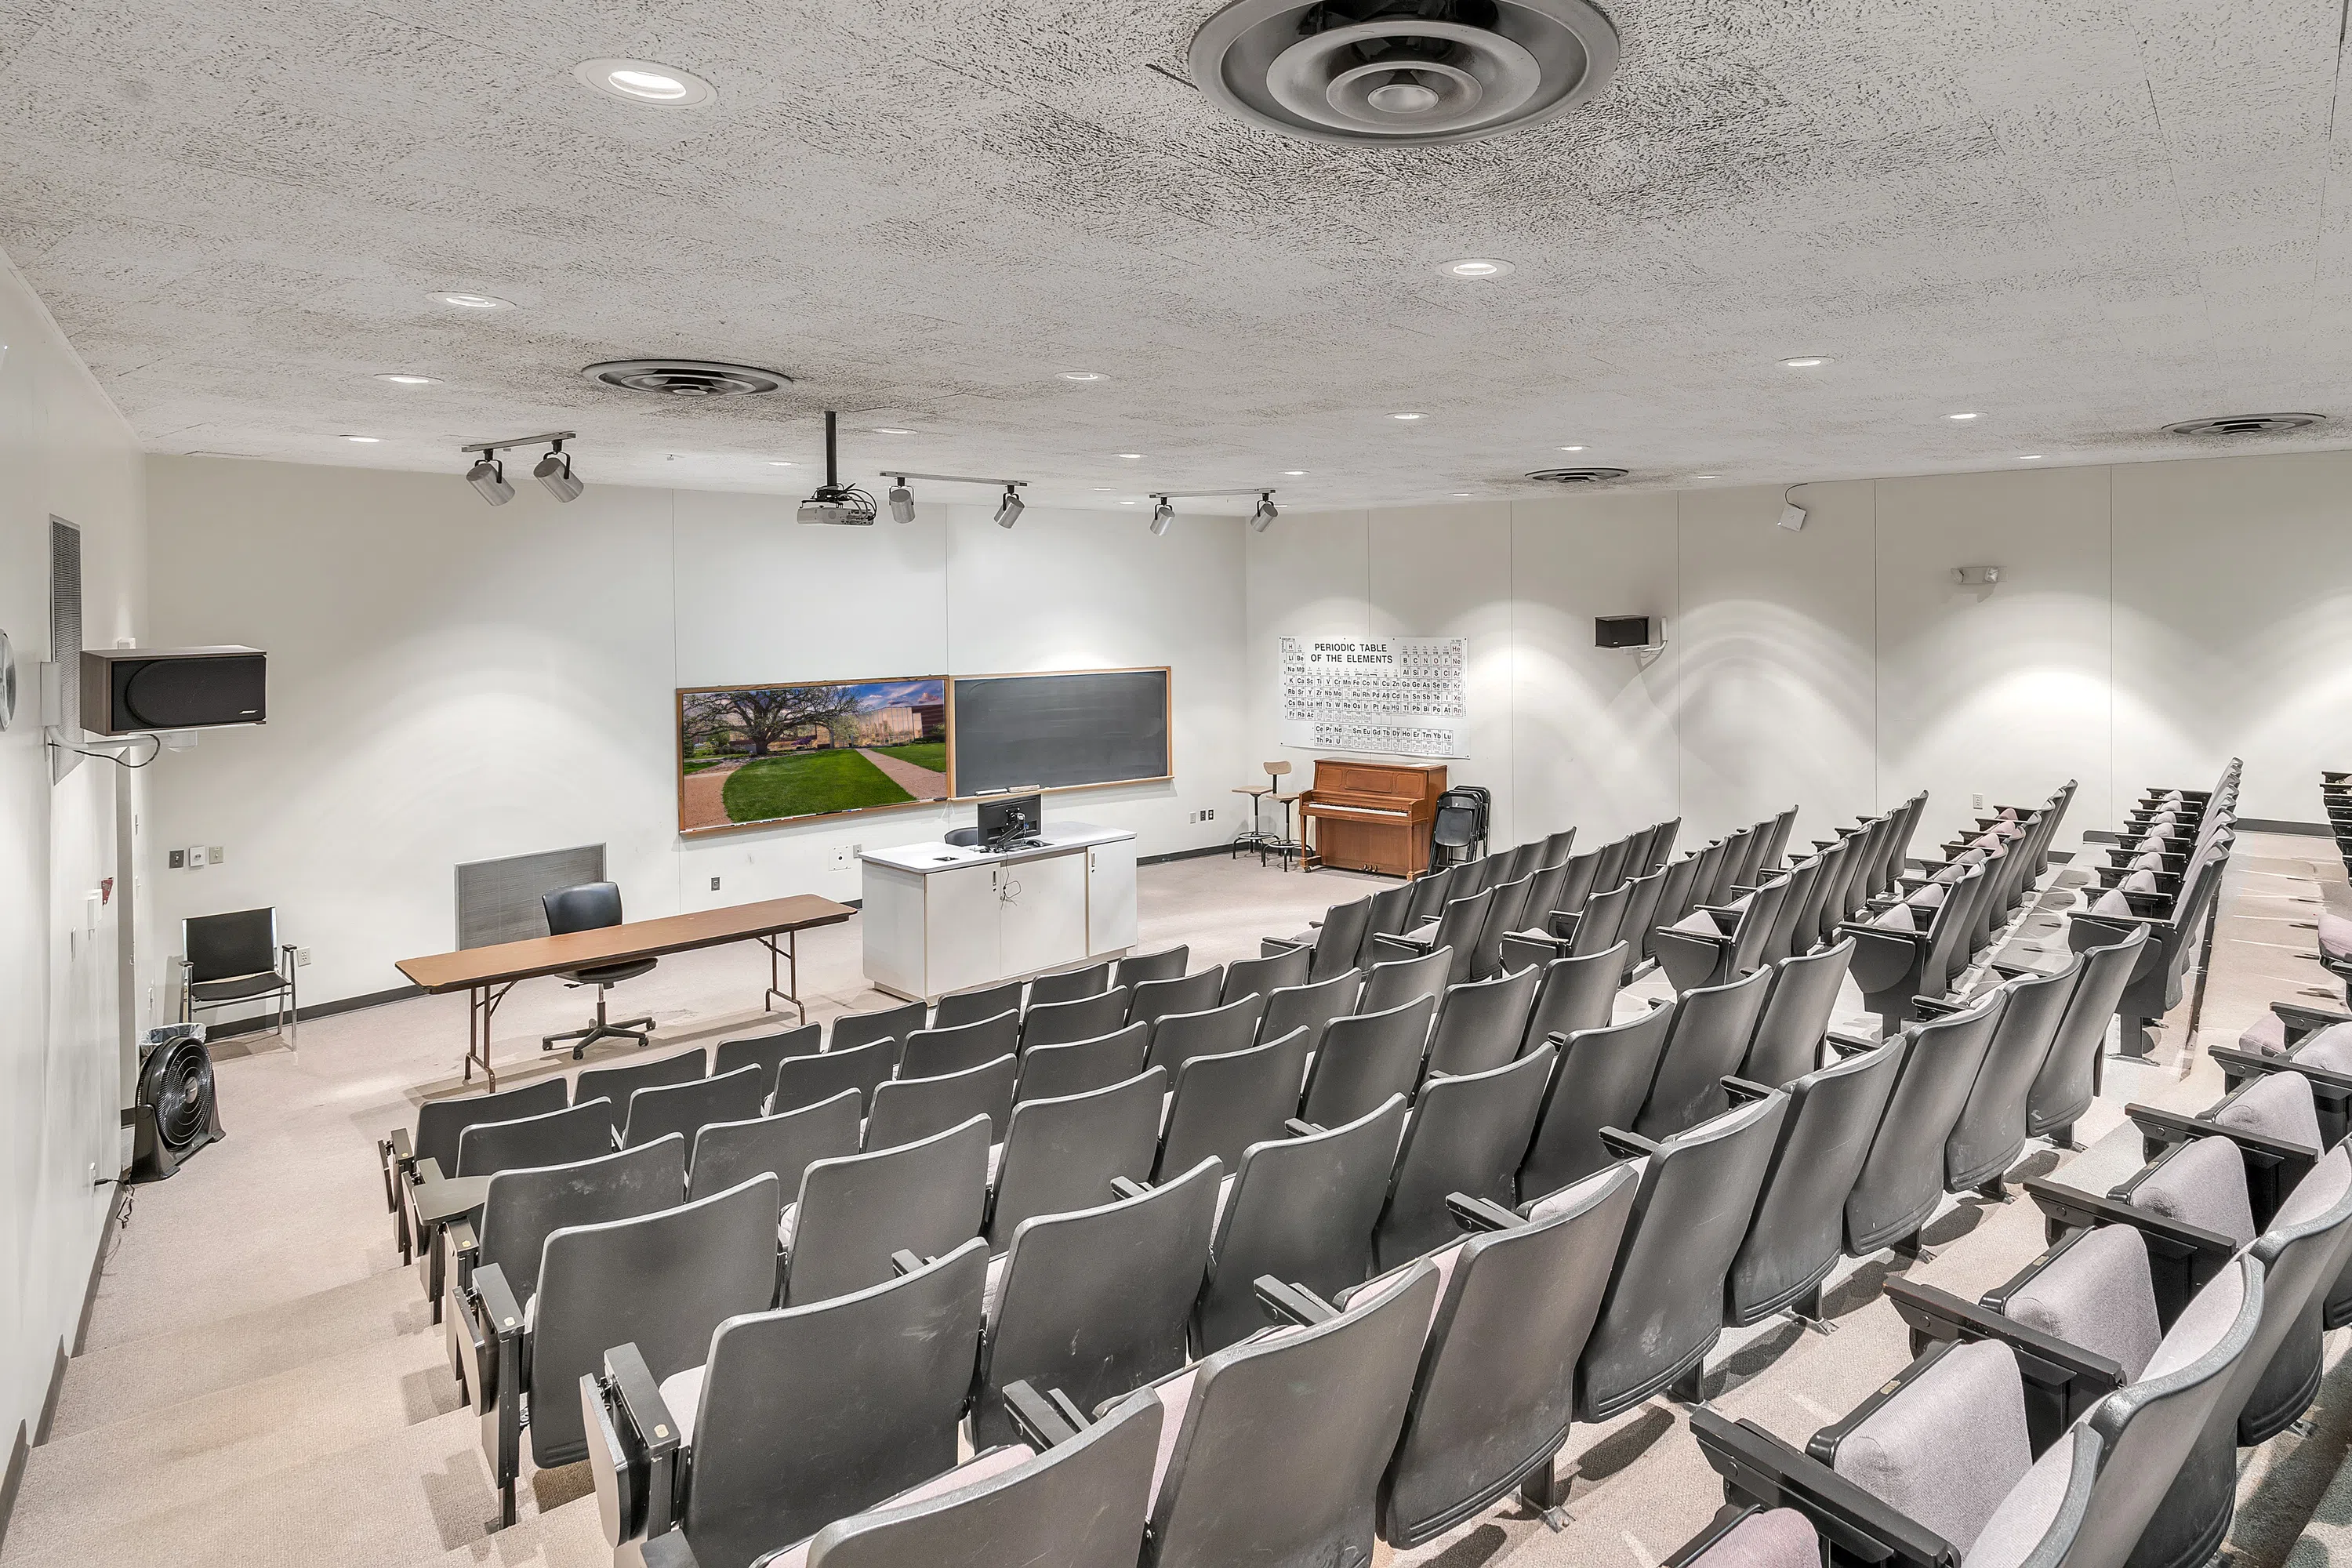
x,y
1402,72
688,378
1577,476
2246,425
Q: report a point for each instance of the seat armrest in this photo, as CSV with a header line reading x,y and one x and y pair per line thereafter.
x,y
1928,1007
2237,1065
1743,1091
2296,1016
1292,1303
1129,1187
1480,1214
1405,945
1276,946
1043,1420
1758,1468
1882,933
1627,1145
904,1262
495,1346
2064,1380
394,1152
465,1249
646,1446
1298,1129
2200,1253
2159,1130
1849,1045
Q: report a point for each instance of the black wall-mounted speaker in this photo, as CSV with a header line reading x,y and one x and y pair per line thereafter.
x,y
1621,631
136,690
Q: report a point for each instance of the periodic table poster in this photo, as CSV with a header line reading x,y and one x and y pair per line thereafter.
x,y
1397,696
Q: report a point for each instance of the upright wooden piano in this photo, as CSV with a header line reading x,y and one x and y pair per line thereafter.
x,y
1372,816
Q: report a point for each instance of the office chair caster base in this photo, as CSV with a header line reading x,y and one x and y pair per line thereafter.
x,y
638,1029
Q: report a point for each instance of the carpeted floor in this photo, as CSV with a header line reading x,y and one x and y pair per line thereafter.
x,y
261,1384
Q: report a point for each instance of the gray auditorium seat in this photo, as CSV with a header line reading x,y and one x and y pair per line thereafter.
x,y
1080,1019
1797,1234
1673,903
1222,1104
664,1281
1824,908
1575,889
1178,1038
1466,1135
1600,924
1331,946
1609,871
1641,896
523,1207
1523,862
1796,1018
1480,1023
1705,1044
1264,976
1070,985
1558,846
1391,911
1497,1377
957,1008
1750,1537
1902,1179
1716,945
1663,1310
2154,987
726,1153
852,1030
686,1107
1163,963
1310,1007
1781,940
2069,1079
765,1051
724,1450
616,1084
1503,914
1280,1442
1302,1210
1391,984
439,1124
908,1109
1602,1079
1150,1001
1096,1303
1543,897
555,1138
1456,931
852,1213
934,1053
806,1081
1990,1133
1082,1503
1062,1154
1366,1058
1430,892
1575,994
1899,956
1051,1072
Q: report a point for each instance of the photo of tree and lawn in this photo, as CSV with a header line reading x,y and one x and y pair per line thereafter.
x,y
767,753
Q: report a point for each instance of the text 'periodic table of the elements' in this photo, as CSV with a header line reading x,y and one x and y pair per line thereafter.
x,y
1400,696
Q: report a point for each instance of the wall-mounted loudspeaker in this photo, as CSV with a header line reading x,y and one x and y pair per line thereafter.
x,y
138,691
177,1112
1623,631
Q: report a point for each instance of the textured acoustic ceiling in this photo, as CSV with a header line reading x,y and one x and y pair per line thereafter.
x,y
2082,219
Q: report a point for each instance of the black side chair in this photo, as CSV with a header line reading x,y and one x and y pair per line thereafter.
x,y
591,906
227,960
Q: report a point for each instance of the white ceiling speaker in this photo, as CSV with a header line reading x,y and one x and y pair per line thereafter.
x,y
1577,476
2246,425
688,378
1402,72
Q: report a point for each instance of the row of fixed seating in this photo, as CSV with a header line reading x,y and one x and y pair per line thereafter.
x,y
2162,878
2336,930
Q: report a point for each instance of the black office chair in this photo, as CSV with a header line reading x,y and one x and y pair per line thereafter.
x,y
227,960
591,906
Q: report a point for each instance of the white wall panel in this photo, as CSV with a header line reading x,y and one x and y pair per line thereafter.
x,y
1445,572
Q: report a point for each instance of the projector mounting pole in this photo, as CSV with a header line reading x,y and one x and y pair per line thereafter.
x,y
832,470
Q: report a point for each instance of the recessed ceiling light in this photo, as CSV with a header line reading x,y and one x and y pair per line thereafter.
x,y
1806,362
778,463
364,440
1294,473
1405,415
890,430
1706,476
464,301
645,82
1572,448
1476,267
1127,503
1461,495
1084,375
402,379
1959,416
2029,457
1132,457
1100,488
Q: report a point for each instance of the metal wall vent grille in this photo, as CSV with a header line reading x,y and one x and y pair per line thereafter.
x,y
2246,424
688,378
1577,476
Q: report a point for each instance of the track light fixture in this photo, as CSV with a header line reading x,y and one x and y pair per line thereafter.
x,y
488,476
1008,512
902,502
554,472
1162,516
833,502
1165,513
1263,518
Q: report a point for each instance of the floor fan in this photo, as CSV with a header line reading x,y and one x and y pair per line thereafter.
x,y
178,1111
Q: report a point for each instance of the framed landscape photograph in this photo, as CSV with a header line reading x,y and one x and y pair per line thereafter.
x,y
755,755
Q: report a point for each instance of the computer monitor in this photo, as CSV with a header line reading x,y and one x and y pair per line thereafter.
x,y
1010,818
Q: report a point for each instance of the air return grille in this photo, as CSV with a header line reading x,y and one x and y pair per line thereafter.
x,y
688,378
2246,425
1577,476
1402,72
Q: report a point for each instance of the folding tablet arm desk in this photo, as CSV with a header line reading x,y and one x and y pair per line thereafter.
x,y
487,974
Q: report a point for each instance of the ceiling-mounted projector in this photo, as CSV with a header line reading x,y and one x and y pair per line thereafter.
x,y
833,503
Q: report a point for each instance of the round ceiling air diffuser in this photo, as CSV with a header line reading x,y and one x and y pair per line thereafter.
x,y
688,378
1402,72
1577,476
2246,424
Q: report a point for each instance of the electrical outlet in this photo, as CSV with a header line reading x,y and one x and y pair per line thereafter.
x,y
1212,813
856,850
714,884
195,856
301,958
215,856
178,860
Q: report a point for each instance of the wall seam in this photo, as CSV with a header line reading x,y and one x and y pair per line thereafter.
x,y
1877,670
677,844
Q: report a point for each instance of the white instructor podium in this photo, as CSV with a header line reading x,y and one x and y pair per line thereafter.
x,y
941,917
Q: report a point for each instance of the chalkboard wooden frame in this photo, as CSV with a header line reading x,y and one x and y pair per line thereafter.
x,y
1168,723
